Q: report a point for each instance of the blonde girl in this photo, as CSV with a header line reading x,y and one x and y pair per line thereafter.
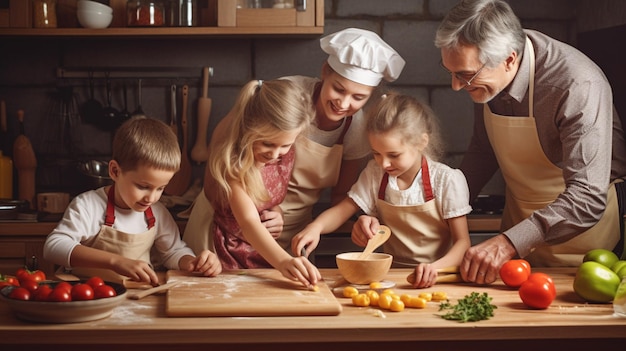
x,y
423,201
250,163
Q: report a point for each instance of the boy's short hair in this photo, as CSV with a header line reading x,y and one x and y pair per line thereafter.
x,y
147,142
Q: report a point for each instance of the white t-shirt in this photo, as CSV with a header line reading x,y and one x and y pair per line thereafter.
x,y
85,215
449,188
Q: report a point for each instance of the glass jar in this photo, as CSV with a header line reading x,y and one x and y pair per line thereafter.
x,y
44,13
188,13
143,13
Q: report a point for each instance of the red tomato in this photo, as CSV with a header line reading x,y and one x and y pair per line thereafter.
x,y
64,286
43,293
95,282
514,272
538,291
60,294
81,292
104,291
24,274
30,285
20,293
7,280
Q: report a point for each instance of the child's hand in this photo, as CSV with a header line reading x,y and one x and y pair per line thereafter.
x,y
364,229
207,263
136,270
425,276
308,238
301,269
273,220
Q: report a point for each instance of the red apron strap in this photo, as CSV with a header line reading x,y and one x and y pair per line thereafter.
x,y
428,189
109,219
383,186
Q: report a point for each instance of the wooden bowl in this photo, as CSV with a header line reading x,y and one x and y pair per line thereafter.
x,y
363,271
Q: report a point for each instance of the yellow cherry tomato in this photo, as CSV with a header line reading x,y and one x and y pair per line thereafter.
x,y
405,298
350,291
388,291
439,296
426,296
373,295
416,302
396,306
384,301
375,285
361,300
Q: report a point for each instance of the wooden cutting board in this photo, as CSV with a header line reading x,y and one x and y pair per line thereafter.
x,y
245,293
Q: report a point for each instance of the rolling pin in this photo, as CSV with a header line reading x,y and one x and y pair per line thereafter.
x,y
199,152
25,162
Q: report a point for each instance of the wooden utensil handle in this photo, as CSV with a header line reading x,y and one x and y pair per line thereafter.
x,y
183,118
205,82
154,290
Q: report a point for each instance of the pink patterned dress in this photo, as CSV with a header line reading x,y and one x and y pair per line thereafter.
x,y
230,245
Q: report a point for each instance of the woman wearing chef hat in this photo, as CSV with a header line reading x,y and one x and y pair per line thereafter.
x,y
334,147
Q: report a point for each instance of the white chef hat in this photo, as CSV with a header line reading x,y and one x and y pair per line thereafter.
x,y
362,56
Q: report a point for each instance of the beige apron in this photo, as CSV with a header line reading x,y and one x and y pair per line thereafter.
x,y
420,234
316,167
533,182
134,246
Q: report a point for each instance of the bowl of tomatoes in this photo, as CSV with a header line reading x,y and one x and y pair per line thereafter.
x,y
63,301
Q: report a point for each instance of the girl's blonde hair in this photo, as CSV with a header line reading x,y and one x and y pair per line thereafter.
x,y
263,109
408,117
146,142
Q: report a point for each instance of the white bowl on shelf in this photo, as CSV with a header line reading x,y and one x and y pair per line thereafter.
x,y
87,5
94,19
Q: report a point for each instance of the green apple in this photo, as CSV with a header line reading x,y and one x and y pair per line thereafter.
x,y
618,265
621,273
602,256
595,282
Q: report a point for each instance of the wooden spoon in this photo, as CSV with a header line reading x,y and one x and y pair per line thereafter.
x,y
381,236
142,294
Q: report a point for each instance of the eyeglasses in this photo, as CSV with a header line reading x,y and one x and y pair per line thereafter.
x,y
461,77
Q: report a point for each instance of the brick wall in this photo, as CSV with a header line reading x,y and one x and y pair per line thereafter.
x,y
28,66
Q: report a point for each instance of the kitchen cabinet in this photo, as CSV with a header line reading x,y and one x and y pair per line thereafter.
x,y
20,241
234,22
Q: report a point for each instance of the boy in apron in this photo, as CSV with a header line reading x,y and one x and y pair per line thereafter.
x,y
422,201
549,125
121,231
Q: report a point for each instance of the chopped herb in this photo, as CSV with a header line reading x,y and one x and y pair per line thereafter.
x,y
472,308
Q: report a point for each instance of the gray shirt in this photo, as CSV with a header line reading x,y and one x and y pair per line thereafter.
x,y
579,131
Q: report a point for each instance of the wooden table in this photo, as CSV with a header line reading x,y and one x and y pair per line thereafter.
x,y
142,324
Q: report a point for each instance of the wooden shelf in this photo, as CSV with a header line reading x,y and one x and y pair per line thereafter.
x,y
162,32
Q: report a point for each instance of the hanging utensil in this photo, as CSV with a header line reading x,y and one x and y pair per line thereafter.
x,y
110,114
199,152
124,115
139,110
181,179
92,109
173,120
25,162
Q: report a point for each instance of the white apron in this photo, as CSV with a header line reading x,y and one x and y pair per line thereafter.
x,y
134,246
316,167
533,182
419,233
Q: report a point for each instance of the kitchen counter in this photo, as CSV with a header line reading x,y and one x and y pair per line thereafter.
x,y
143,324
